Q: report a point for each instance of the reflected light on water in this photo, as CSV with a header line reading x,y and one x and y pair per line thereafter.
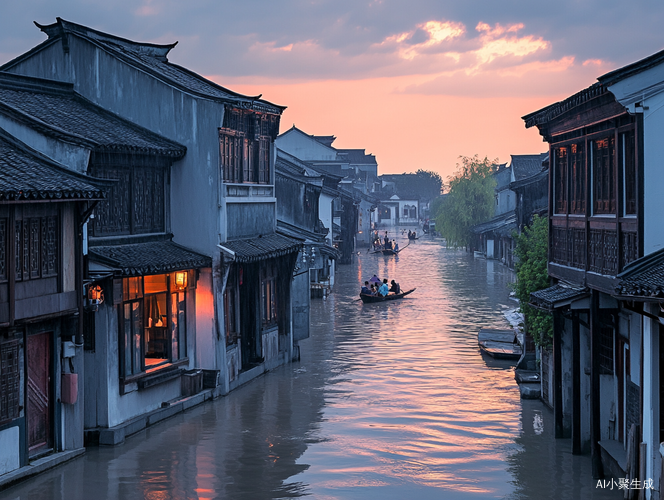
x,y
389,401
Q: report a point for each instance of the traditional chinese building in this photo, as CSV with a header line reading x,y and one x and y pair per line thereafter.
x,y
605,222
43,207
218,201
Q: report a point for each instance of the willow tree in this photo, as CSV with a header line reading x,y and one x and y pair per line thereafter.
x,y
469,201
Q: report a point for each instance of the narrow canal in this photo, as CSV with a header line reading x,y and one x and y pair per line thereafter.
x,y
389,401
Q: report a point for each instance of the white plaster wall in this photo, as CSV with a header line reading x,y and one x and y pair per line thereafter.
x,y
205,332
653,131
68,257
650,391
325,211
270,346
304,147
73,157
584,378
9,450
233,363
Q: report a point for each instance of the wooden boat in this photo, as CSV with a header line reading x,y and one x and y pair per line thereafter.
x,y
371,299
389,251
500,344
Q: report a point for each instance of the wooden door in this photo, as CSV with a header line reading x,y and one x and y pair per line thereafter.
x,y
39,393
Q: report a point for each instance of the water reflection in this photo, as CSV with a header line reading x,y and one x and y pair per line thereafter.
x,y
390,401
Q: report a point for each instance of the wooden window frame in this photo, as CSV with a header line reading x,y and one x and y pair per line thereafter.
x,y
603,174
171,333
560,171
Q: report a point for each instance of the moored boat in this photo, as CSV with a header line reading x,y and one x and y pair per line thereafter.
x,y
371,299
500,344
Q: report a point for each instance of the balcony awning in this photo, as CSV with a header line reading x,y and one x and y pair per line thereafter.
x,y
558,295
155,257
262,247
643,278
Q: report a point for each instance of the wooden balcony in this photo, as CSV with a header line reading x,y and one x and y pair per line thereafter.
x,y
599,246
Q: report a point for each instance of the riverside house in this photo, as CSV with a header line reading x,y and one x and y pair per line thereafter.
x,y
605,241
218,200
42,209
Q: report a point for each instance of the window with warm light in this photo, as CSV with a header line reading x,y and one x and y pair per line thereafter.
x,y
153,321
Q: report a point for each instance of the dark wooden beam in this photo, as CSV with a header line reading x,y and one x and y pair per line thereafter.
x,y
595,429
559,431
576,385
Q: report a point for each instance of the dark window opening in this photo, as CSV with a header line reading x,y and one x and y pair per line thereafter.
x,y
604,194
269,295
560,180
606,350
578,172
231,309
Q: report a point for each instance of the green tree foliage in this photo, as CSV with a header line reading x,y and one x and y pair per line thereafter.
x,y
470,200
531,275
421,184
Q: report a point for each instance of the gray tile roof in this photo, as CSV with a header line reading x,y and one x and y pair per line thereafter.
x,y
506,222
357,156
324,139
152,58
556,296
556,109
27,175
54,109
139,259
525,166
262,247
644,277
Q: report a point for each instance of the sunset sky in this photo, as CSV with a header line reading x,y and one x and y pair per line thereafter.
x,y
415,82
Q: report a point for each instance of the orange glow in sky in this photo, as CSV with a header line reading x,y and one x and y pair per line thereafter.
x,y
440,95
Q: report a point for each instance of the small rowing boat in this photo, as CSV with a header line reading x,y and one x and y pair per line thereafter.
x,y
499,344
371,299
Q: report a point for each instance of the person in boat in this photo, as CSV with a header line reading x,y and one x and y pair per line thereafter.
x,y
365,289
386,239
410,234
395,245
373,290
384,289
375,280
395,288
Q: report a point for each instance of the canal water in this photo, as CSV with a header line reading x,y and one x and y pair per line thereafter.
x,y
389,401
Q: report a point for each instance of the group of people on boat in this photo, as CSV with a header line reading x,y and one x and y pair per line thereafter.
x,y
385,244
377,288
412,235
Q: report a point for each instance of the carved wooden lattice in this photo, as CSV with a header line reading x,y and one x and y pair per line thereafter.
x,y
18,249
135,204
3,249
37,242
578,248
559,246
630,247
9,381
610,252
595,252
603,252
